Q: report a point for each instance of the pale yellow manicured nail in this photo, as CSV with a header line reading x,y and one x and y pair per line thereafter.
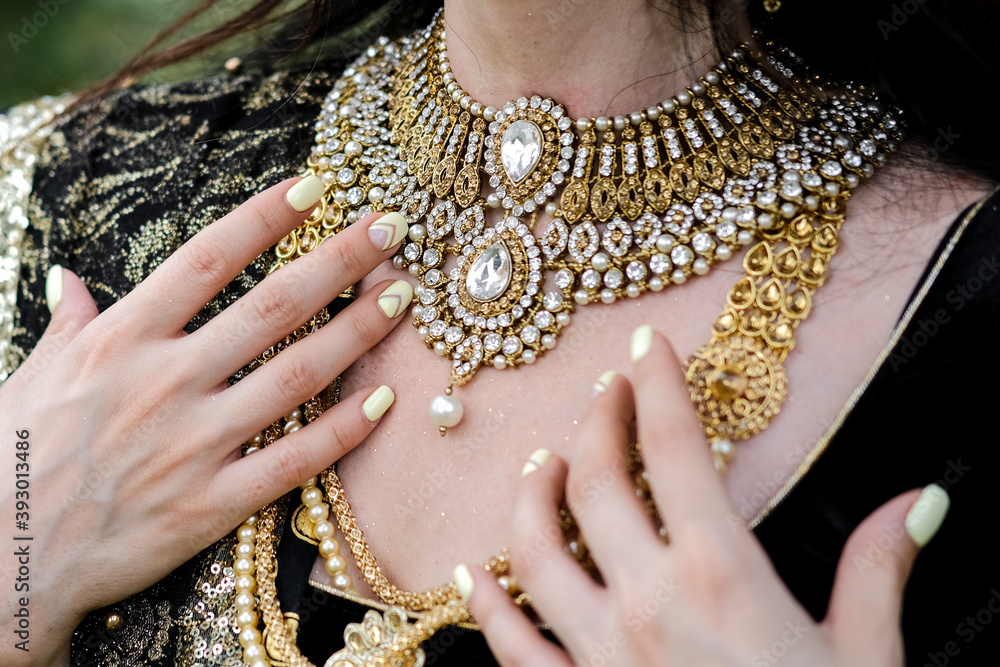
x,y
388,230
536,461
305,194
396,297
376,404
927,514
642,342
53,287
603,383
463,582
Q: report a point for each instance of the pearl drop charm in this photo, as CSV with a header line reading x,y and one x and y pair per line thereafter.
x,y
446,411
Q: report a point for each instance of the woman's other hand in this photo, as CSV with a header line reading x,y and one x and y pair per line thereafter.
x,y
710,596
129,433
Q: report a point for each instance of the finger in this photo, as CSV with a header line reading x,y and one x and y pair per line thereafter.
x,y
512,638
682,477
289,297
866,602
190,277
561,591
257,479
304,369
72,309
601,491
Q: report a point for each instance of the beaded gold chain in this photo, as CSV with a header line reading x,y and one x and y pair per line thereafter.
x,y
777,165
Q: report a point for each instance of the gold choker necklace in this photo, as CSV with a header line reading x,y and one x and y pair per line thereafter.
x,y
637,203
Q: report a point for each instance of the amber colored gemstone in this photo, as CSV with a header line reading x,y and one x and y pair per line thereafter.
x,y
771,294
801,229
797,303
725,323
815,270
727,382
826,238
787,262
758,259
781,334
754,320
742,293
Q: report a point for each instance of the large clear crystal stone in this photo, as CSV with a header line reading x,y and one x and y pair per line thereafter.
x,y
490,274
520,149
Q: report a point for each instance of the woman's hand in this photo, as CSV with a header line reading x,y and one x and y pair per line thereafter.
x,y
709,597
130,434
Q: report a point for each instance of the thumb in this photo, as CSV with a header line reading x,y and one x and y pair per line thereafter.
x,y
864,612
72,309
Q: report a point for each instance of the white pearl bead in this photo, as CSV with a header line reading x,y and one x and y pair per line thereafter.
x,y
563,319
489,114
329,547
440,348
601,124
600,261
492,200
417,232
635,118
247,617
499,362
343,582
632,291
551,208
246,534
723,252
244,550
744,237
652,113
376,194
253,652
582,124
620,122
243,566
311,496
398,262
244,601
323,530
607,296
664,243
528,356
319,512
414,270
581,297
678,277
700,266
656,284
353,147
548,341
335,565
446,410
246,583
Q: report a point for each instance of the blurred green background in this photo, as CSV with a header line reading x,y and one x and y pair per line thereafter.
x,y
54,46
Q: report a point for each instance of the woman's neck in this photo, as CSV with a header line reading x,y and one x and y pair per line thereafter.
x,y
596,58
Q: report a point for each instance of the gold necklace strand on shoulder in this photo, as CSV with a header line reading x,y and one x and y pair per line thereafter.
x,y
736,160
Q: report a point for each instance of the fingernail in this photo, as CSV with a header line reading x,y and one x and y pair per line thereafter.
x,y
379,401
927,514
388,230
603,383
53,287
305,194
642,341
536,461
396,297
463,582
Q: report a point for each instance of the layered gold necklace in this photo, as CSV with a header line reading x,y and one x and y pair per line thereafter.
x,y
635,204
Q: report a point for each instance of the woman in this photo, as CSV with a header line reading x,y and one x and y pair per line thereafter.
x,y
130,409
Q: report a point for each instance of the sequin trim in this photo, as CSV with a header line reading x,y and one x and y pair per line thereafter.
x,y
23,131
